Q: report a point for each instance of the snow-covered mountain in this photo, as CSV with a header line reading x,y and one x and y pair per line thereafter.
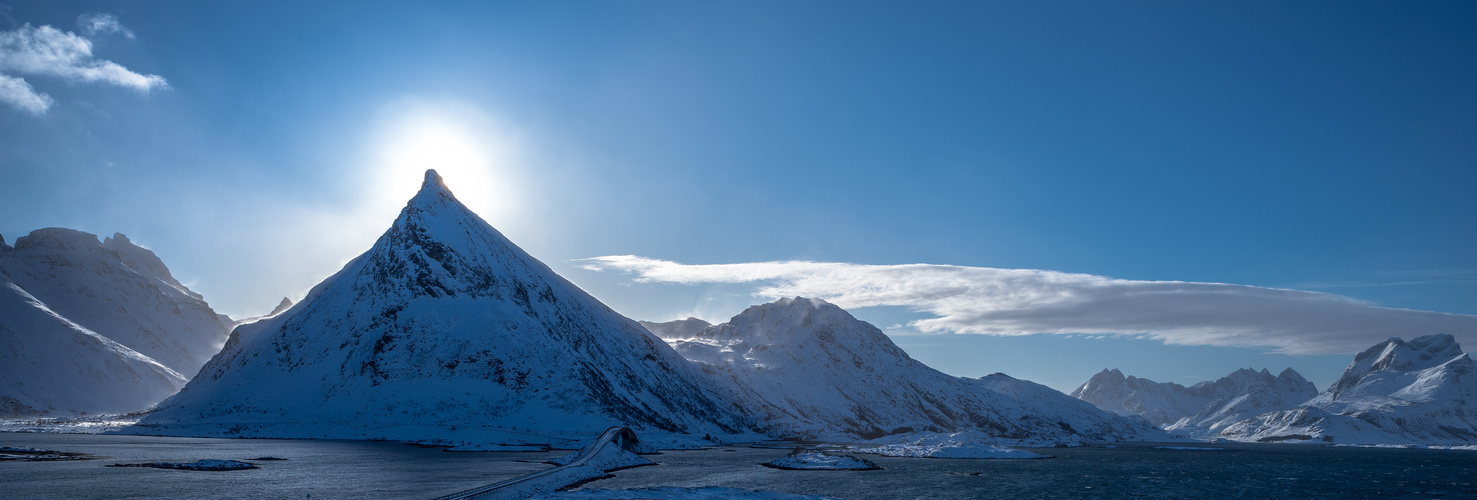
x,y
676,329
1419,392
95,326
812,370
282,307
1201,408
446,330
1161,403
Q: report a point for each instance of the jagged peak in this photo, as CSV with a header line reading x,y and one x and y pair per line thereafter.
x,y
119,242
1395,353
433,190
1290,373
1108,374
1436,343
1396,356
3,246
144,261
281,306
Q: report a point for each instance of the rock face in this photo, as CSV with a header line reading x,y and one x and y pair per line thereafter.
x,y
445,327
95,327
1202,408
810,369
1397,392
676,329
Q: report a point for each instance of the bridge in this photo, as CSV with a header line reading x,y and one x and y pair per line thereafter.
x,y
622,437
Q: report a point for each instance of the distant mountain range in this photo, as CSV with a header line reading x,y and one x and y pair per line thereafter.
x,y
1200,408
89,326
1396,392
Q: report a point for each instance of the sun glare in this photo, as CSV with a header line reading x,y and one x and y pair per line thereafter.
x,y
460,142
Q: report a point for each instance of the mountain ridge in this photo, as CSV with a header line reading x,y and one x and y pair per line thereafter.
x,y
1201,408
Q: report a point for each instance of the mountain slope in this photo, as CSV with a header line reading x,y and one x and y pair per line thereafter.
x,y
1419,392
1201,408
442,329
118,290
813,370
52,366
95,327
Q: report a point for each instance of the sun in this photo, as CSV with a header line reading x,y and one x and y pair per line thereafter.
x,y
474,156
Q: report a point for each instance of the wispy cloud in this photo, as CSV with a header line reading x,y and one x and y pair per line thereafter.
x,y
1027,301
94,24
16,92
47,51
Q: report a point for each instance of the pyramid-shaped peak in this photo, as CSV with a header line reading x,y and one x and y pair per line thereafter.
x,y
433,179
433,190
1290,373
444,322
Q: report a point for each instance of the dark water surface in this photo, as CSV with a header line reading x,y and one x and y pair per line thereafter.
x,y
324,469
355,469
1129,471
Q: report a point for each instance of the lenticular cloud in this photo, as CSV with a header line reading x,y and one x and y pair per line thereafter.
x,y
993,301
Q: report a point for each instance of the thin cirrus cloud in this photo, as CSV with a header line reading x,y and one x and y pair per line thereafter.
x,y
50,52
93,24
992,301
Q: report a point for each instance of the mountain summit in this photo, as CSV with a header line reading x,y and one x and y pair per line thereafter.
x,y
813,370
445,329
1423,391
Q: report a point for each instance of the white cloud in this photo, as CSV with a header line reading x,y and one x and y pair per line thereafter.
x,y
47,51
1028,301
16,92
102,24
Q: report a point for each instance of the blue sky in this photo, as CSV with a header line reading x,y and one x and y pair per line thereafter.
x,y
1314,146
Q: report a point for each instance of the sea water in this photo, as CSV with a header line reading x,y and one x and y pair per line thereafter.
x,y
358,469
